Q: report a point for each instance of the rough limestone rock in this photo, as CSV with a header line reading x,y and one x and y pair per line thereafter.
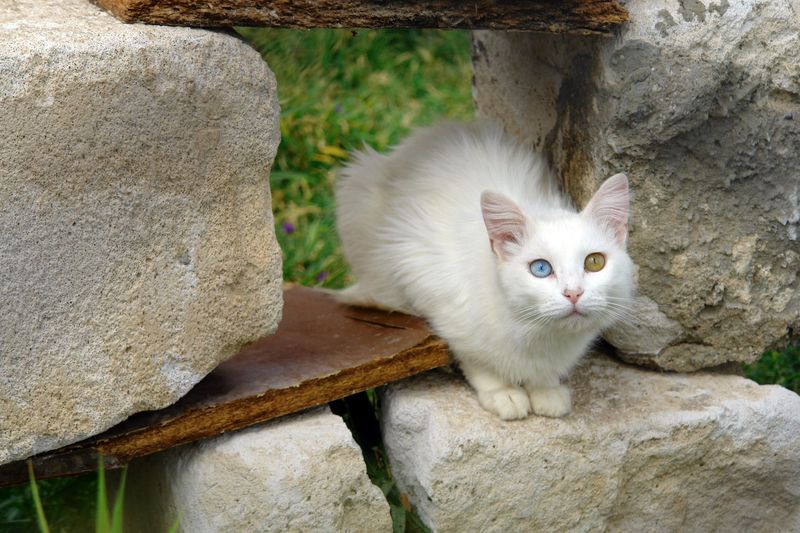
x,y
699,104
299,473
641,451
137,247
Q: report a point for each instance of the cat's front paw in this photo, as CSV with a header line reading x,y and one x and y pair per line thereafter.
x,y
551,401
509,403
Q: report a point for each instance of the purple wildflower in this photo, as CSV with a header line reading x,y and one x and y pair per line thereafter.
x,y
322,276
288,227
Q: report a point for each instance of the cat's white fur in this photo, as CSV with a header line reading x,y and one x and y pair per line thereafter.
x,y
446,226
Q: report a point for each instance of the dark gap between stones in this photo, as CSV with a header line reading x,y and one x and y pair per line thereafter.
x,y
361,414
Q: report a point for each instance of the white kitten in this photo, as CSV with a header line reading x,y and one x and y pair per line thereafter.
x,y
464,227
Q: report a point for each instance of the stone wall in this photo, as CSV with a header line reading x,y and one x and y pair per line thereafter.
x,y
700,107
136,234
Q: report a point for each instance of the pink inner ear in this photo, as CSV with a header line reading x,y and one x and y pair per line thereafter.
x,y
610,206
505,221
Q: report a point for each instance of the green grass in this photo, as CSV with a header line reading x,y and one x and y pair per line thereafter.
x,y
41,518
104,521
777,367
68,503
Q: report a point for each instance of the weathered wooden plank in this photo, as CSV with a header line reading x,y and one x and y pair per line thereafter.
x,y
321,352
572,16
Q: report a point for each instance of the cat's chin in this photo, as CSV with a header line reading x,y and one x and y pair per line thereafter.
x,y
577,320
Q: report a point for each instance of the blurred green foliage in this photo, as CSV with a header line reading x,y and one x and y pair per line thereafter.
x,y
69,503
777,367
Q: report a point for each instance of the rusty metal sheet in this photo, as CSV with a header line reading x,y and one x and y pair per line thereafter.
x,y
321,352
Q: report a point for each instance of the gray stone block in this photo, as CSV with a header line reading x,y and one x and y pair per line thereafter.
x,y
700,107
136,237
641,451
299,473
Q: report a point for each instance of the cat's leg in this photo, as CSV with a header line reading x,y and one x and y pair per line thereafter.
x,y
548,397
507,401
352,295
359,296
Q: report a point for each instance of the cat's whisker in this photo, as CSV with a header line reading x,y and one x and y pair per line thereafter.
x,y
536,320
620,312
618,307
616,317
629,314
613,310
622,309
621,303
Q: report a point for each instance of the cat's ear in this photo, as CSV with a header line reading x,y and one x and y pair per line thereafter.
x,y
505,222
610,206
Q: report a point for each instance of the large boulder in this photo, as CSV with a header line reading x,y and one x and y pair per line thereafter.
x,y
700,106
641,451
137,246
299,473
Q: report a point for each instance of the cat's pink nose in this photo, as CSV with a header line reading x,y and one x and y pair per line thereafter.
x,y
573,295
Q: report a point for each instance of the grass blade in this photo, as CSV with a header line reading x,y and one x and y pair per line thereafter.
x,y
174,527
41,519
101,520
116,514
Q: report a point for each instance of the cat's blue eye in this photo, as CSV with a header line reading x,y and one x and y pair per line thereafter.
x,y
541,268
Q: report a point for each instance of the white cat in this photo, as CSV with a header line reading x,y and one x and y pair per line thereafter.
x,y
462,226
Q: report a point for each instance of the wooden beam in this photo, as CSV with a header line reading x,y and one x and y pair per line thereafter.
x,y
567,16
321,352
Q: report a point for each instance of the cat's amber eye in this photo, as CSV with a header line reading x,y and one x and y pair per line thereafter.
x,y
594,262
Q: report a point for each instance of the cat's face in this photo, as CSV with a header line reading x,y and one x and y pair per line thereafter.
x,y
569,271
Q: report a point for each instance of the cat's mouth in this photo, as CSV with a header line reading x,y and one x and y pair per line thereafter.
x,y
575,313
